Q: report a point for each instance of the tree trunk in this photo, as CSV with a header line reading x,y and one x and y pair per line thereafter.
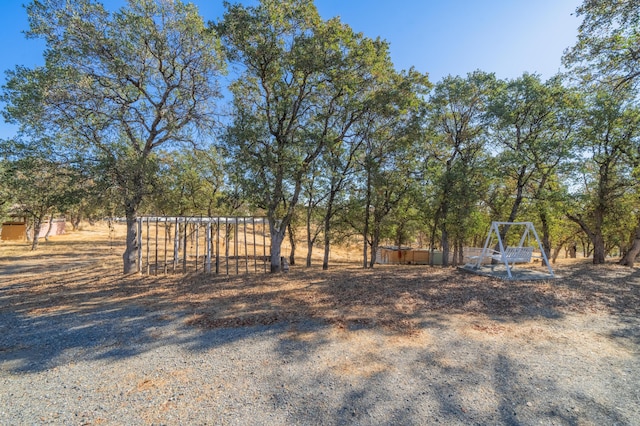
x,y
277,230
327,238
27,230
518,200
367,217
327,243
309,251
130,255
632,254
555,253
599,252
595,237
365,254
586,246
292,241
310,239
444,242
327,225
75,221
375,240
277,237
37,223
458,252
454,254
444,231
432,240
374,253
46,236
514,209
546,242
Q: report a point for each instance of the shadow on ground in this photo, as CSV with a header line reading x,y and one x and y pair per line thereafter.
x,y
98,307
96,314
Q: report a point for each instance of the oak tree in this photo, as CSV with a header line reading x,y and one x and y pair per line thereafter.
x,y
304,82
121,84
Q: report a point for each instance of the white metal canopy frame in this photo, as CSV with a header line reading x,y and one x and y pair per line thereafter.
x,y
509,255
212,244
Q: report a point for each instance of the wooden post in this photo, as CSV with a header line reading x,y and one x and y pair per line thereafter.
x,y
176,246
197,225
156,271
166,238
253,231
148,237
236,250
218,247
226,246
184,248
139,241
246,252
264,246
208,242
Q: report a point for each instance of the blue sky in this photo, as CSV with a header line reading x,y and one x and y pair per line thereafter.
x,y
439,37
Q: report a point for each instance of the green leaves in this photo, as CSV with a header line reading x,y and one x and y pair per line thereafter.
x,y
118,86
608,39
305,83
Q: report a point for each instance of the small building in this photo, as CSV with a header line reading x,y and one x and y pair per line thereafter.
x,y
58,227
393,255
16,229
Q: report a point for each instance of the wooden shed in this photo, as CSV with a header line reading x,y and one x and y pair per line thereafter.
x,y
402,256
14,230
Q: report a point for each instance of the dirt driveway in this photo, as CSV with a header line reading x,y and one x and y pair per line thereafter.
x,y
81,344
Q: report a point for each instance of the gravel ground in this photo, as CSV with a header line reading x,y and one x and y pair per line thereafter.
x,y
398,346
131,365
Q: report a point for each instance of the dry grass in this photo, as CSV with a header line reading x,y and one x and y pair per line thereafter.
x,y
81,271
399,336
76,249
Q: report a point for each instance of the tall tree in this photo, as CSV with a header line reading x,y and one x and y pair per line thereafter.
x,y
5,191
525,129
608,42
545,190
338,161
387,165
314,194
305,82
608,51
122,84
610,133
457,111
633,252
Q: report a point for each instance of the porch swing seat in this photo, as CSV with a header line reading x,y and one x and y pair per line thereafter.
x,y
515,255
509,256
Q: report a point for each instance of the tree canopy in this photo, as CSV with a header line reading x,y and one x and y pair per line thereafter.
x,y
322,129
116,86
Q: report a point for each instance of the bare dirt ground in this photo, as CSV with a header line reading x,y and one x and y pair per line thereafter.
x,y
420,344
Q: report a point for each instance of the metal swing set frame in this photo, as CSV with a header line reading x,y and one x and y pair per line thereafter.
x,y
509,256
